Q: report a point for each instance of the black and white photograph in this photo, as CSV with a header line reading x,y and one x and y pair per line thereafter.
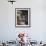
x,y
22,17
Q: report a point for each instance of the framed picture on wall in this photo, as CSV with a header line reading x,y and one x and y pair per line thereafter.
x,y
22,17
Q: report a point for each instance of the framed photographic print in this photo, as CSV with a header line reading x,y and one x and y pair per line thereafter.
x,y
22,17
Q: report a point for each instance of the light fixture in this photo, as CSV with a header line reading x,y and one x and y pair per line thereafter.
x,y
12,1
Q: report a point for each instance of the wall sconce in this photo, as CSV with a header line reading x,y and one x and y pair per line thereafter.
x,y
12,1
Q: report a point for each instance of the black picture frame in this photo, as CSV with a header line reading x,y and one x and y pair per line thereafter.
x,y
22,17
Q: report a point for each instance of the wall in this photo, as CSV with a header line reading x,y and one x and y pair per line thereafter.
x,y
8,31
